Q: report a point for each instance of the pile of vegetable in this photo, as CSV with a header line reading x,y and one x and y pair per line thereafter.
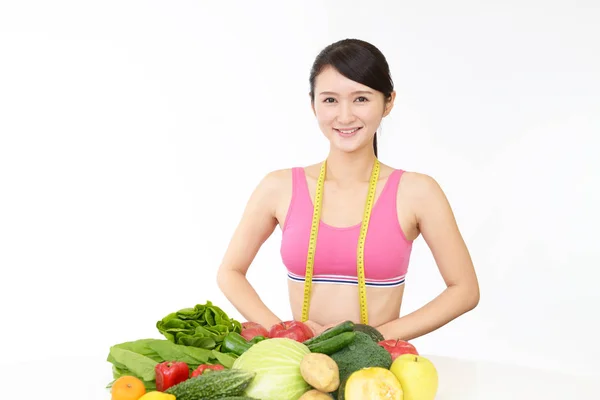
x,y
207,355
193,336
146,359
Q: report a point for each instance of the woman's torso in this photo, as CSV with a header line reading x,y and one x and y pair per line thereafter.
x,y
387,248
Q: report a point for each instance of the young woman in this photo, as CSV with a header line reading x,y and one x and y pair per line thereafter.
x,y
353,273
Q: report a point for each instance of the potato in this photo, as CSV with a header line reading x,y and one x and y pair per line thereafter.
x,y
314,394
320,371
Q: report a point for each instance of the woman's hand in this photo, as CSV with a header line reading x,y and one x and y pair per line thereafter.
x,y
318,329
314,327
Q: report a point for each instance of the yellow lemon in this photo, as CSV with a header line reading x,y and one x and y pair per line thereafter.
x,y
155,395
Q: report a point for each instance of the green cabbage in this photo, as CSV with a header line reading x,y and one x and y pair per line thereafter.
x,y
276,363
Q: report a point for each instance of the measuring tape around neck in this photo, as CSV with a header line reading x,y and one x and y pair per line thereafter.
x,y
360,262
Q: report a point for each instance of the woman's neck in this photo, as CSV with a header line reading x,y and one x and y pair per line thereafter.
x,y
345,167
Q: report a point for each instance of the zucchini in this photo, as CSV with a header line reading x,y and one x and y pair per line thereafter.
x,y
346,326
216,385
373,333
333,344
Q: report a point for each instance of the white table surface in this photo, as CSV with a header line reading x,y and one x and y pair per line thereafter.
x,y
85,377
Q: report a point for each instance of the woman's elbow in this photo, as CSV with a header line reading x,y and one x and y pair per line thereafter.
x,y
473,296
226,278
223,279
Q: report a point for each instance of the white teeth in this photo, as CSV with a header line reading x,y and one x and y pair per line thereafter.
x,y
348,131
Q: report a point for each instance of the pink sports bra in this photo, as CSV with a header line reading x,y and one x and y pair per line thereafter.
x,y
387,251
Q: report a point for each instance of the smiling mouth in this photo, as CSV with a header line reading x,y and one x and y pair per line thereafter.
x,y
348,131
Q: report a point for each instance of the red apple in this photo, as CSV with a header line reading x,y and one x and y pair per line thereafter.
x,y
397,347
252,329
295,330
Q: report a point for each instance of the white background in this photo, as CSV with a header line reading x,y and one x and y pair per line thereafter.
x,y
132,133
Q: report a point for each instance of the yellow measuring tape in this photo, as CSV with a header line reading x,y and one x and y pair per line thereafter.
x,y
360,261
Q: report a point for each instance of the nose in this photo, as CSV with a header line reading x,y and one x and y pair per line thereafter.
x,y
345,115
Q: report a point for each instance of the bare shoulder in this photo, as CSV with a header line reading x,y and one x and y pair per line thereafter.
x,y
421,186
423,193
272,187
274,180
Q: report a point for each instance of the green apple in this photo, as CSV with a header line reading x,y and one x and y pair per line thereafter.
x,y
417,375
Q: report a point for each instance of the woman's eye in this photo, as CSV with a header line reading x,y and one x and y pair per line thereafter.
x,y
360,99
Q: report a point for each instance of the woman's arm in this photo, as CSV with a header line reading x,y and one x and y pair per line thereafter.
x,y
439,229
256,225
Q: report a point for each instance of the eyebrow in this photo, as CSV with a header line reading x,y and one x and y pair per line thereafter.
x,y
356,92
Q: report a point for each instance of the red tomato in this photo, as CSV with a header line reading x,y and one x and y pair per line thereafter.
x,y
295,330
397,347
252,329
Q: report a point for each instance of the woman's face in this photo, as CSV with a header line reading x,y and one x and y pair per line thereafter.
x,y
348,112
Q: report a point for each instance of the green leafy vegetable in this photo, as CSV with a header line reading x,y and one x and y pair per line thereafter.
x,y
203,326
225,360
140,365
140,346
139,358
136,359
171,351
276,362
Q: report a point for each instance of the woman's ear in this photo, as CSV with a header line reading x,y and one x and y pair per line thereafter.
x,y
389,104
312,104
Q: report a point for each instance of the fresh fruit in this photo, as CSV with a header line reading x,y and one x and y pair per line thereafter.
x,y
127,388
373,383
170,373
417,375
156,395
202,368
252,329
217,384
295,330
397,347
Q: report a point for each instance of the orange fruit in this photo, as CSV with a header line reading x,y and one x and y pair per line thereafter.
x,y
128,388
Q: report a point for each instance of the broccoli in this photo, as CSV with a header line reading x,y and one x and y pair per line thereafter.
x,y
363,352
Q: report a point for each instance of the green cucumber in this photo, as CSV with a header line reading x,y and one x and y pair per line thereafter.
x,y
333,344
373,333
346,326
217,384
